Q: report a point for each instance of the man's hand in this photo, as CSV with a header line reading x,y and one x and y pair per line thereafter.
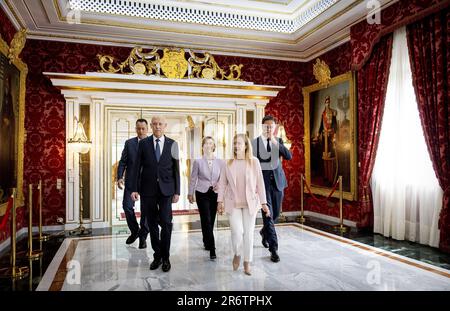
x,y
120,183
274,140
220,208
266,210
135,196
175,198
191,198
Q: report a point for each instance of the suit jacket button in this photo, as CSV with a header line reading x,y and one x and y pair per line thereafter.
x,y
157,179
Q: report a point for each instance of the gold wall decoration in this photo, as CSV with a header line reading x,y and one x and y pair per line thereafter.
x,y
170,63
17,45
207,68
137,63
10,54
173,63
322,72
190,122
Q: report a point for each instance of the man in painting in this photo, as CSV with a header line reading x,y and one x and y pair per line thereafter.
x,y
326,135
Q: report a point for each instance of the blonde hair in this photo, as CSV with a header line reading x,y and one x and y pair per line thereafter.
x,y
248,149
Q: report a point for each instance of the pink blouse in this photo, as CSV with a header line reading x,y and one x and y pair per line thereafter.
x,y
239,166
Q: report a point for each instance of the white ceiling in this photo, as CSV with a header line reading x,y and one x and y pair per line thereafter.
x,y
296,30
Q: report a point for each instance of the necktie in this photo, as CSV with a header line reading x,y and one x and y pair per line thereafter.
x,y
157,150
269,149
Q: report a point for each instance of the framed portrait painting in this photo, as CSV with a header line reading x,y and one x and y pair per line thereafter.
x,y
330,139
12,114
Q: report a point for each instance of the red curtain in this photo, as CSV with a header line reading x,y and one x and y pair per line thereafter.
x,y
428,44
372,80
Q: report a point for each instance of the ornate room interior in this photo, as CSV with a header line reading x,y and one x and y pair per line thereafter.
x,y
76,72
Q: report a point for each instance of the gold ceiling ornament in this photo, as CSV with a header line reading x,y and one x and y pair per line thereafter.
x,y
322,72
174,64
17,45
170,63
137,63
206,67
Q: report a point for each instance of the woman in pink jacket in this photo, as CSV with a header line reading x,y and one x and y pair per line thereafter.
x,y
241,194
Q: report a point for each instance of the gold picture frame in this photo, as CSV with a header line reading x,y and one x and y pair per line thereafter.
x,y
10,57
330,134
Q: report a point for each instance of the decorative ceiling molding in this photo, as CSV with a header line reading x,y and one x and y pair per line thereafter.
x,y
179,12
55,20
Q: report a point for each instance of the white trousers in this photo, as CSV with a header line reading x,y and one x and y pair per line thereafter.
x,y
242,225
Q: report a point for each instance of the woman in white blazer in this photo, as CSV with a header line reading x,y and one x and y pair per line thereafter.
x,y
241,194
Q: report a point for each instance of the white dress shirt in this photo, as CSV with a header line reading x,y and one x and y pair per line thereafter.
x,y
264,140
161,142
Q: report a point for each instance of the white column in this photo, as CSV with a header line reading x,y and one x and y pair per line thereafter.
x,y
98,208
259,115
72,166
241,118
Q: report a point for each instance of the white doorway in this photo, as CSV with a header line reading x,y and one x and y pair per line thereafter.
x,y
216,108
186,127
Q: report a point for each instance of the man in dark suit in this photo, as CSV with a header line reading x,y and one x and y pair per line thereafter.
x,y
126,164
269,149
157,180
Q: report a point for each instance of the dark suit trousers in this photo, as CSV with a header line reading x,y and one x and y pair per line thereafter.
x,y
274,198
128,208
207,206
158,210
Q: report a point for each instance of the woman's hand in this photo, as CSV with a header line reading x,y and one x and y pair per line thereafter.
x,y
266,210
220,208
191,198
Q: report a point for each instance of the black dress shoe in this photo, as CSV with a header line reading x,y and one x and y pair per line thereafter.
x,y
212,254
207,248
166,265
142,243
274,257
155,263
131,239
263,241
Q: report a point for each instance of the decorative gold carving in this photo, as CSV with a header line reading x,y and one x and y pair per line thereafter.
x,y
137,63
17,44
322,72
12,53
173,64
207,68
190,122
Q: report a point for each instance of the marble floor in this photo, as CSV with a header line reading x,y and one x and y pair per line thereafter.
x,y
311,259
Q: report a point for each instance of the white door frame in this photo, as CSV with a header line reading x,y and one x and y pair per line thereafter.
x,y
104,91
